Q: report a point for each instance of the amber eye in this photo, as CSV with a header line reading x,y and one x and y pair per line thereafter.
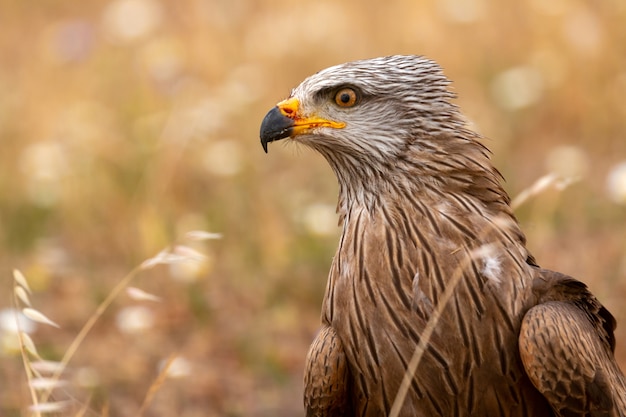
x,y
346,97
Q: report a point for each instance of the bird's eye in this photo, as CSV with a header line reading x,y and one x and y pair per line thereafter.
x,y
346,97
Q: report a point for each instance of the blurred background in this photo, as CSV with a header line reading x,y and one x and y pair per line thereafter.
x,y
125,124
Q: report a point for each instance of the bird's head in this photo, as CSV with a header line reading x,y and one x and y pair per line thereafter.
x,y
382,119
365,107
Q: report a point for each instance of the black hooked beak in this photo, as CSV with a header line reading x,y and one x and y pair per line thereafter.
x,y
275,126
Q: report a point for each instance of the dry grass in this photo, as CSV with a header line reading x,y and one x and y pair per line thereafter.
x,y
44,377
127,123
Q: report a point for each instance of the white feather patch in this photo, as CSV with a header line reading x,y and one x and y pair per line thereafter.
x,y
492,268
491,264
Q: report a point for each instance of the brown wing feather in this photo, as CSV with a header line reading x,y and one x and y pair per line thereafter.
x,y
566,345
326,382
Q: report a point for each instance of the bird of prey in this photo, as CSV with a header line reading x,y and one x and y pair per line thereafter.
x,y
431,255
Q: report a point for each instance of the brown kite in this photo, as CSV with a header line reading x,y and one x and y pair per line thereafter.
x,y
432,260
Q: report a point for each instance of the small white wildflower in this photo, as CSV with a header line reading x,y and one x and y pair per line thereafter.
x,y
86,377
135,319
44,164
616,183
12,321
128,20
320,219
568,161
518,87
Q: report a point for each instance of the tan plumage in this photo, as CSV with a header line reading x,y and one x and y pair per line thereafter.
x,y
423,212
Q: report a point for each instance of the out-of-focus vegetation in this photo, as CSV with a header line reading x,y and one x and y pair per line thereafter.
x,y
126,123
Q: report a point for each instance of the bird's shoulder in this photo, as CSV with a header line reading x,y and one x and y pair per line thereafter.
x,y
550,286
566,344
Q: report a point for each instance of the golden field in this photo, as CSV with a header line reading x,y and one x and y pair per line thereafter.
x,y
125,124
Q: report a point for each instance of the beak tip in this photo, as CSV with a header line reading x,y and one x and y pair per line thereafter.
x,y
275,126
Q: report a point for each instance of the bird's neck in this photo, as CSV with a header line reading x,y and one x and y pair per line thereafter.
x,y
455,185
465,182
